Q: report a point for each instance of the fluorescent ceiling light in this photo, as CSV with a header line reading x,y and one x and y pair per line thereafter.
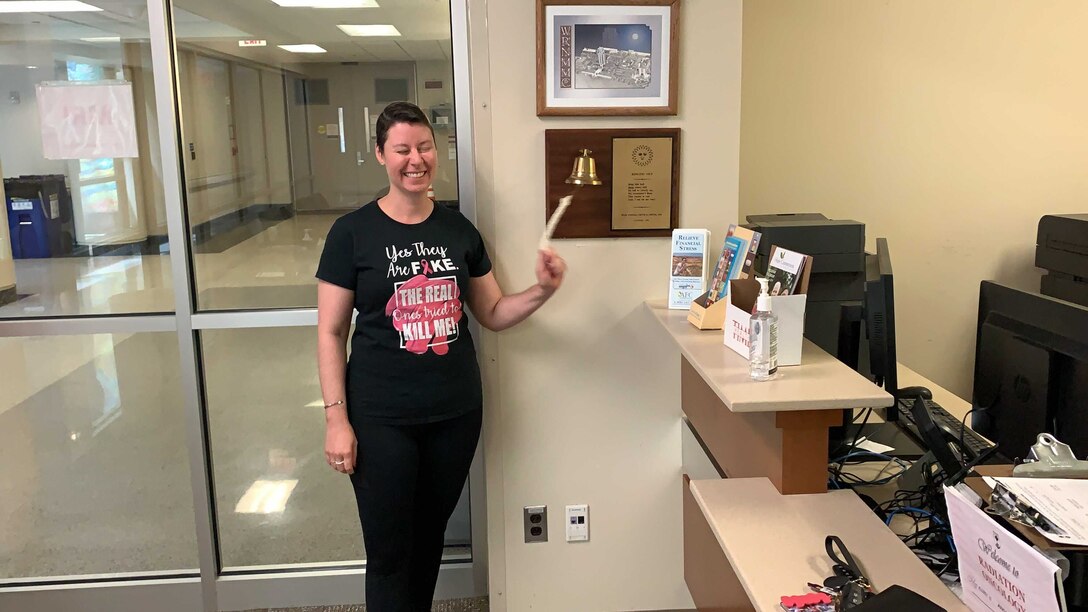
x,y
345,4
302,48
46,6
369,30
102,39
266,497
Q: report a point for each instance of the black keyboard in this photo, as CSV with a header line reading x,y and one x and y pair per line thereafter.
x,y
949,424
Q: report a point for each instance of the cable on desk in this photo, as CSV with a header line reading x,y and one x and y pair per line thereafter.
x,y
857,434
839,478
931,543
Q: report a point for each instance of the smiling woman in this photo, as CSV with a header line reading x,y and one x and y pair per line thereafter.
x,y
403,416
405,146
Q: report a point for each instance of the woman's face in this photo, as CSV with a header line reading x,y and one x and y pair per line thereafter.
x,y
409,157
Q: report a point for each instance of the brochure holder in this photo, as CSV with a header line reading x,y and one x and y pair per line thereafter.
x,y
707,317
791,318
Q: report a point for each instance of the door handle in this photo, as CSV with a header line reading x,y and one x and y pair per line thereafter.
x,y
340,125
366,126
359,158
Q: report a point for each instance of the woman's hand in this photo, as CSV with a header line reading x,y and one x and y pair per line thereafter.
x,y
340,446
550,269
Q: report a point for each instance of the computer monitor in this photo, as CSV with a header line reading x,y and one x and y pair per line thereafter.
x,y
1031,370
878,312
870,327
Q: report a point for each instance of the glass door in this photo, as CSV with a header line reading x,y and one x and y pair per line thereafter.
x,y
345,101
157,301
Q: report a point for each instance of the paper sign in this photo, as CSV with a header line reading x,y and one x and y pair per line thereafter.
x,y
999,572
87,121
1061,500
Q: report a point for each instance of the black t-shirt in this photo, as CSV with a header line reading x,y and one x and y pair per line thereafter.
x,y
412,357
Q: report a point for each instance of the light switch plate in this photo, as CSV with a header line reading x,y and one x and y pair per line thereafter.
x,y
578,523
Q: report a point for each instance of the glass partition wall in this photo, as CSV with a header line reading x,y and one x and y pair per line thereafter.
x,y
170,172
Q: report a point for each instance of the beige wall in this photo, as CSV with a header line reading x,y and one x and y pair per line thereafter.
x,y
149,168
277,154
949,127
206,120
584,397
219,95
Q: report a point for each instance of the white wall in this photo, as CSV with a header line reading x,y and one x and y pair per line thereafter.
x,y
948,127
583,399
25,64
21,144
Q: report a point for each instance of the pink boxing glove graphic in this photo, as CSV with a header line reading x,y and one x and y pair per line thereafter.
x,y
426,312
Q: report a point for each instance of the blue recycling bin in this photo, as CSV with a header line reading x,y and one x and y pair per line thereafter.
x,y
51,191
27,224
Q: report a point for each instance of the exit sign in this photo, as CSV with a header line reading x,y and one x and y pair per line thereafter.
x,y
252,43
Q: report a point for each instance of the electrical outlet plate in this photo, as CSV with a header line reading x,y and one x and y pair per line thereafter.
x,y
578,523
536,524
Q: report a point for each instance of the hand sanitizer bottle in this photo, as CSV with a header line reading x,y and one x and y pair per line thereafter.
x,y
763,346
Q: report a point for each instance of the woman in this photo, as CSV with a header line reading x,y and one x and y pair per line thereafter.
x,y
403,416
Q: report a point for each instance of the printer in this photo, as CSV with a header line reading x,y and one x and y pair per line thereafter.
x,y
837,248
1062,250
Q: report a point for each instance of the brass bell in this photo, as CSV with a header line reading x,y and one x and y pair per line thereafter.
x,y
585,170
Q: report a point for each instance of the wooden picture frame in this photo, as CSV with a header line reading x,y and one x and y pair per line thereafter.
x,y
637,43
591,213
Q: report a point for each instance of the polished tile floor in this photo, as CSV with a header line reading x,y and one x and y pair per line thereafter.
x,y
94,471
270,269
477,604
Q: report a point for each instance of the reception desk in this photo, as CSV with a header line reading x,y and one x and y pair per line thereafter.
x,y
745,545
777,429
756,508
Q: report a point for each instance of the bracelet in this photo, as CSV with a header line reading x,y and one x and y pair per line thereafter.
x,y
336,403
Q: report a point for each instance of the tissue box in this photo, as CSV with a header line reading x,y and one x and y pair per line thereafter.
x,y
791,320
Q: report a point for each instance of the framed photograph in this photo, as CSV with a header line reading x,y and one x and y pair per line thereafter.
x,y
607,57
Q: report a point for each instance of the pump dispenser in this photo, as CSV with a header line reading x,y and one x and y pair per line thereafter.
x,y
763,337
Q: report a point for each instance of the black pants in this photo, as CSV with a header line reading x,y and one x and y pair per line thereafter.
x,y
407,481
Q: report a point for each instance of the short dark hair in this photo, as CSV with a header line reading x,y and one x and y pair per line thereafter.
x,y
400,112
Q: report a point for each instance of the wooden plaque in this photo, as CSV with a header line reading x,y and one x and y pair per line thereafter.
x,y
590,214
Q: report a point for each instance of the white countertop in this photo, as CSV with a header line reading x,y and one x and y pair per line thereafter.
x,y
775,542
821,382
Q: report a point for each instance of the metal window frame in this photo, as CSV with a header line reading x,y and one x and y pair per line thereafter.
x,y
212,590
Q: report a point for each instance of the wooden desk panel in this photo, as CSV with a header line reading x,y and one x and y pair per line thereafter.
x,y
789,448
711,580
